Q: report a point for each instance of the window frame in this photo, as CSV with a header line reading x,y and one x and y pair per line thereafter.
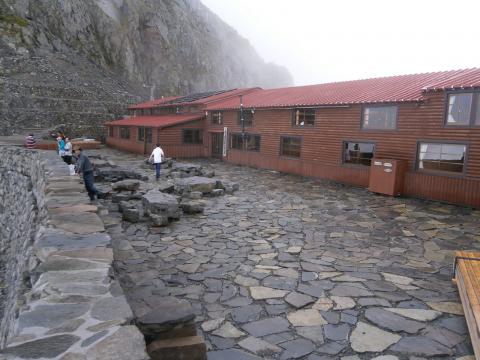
x,y
140,130
220,114
281,147
442,172
243,146
362,166
246,124
127,132
111,131
200,133
475,101
305,125
362,116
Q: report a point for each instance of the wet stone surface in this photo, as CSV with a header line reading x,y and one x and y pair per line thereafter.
x,y
294,268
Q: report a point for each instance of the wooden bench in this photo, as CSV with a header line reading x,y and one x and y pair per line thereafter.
x,y
467,278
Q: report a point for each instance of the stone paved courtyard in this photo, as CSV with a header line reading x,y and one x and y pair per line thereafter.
x,y
296,268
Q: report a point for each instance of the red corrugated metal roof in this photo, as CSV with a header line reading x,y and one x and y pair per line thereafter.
x,y
402,88
157,121
152,103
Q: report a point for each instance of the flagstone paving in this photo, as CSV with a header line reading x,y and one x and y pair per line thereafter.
x,y
295,268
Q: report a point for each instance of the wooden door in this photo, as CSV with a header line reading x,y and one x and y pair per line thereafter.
x,y
217,145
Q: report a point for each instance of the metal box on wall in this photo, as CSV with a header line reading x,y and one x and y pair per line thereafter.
x,y
387,176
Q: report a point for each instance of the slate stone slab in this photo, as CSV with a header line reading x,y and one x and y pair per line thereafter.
x,y
81,223
246,313
336,332
127,343
421,346
350,291
49,347
295,349
60,240
51,316
391,321
231,354
266,326
112,308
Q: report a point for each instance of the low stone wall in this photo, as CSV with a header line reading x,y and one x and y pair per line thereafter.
x,y
62,300
22,211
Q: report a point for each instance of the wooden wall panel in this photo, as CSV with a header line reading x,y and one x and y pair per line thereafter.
x,y
321,154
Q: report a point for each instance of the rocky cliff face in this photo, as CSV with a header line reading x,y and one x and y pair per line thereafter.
x,y
81,62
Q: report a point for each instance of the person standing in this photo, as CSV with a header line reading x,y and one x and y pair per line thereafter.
x,y
84,167
30,142
61,146
68,151
157,156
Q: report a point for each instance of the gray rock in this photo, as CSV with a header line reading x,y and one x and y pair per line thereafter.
x,y
126,185
131,215
298,300
159,220
192,206
51,316
246,313
48,347
58,239
112,308
391,321
195,183
421,346
158,203
336,332
354,290
170,313
266,326
231,354
218,192
295,349
313,333
93,338
127,343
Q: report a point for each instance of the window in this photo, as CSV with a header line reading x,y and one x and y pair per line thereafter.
x,y
303,117
236,142
441,157
290,146
110,131
358,153
247,118
216,117
192,136
463,109
148,135
140,133
249,142
379,117
124,132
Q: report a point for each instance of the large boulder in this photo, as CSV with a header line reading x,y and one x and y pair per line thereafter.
x,y
114,174
195,183
187,169
192,206
158,203
126,185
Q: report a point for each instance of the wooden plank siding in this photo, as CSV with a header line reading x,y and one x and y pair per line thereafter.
x,y
322,146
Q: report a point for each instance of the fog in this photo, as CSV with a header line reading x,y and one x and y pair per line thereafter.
x,y
320,41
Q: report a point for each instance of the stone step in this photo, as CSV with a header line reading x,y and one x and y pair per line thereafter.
x,y
184,348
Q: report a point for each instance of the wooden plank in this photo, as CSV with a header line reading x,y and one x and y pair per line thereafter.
x,y
467,278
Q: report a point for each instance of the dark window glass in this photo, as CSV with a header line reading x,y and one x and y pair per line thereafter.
x,y
304,117
442,157
124,132
216,117
247,118
236,142
192,136
252,142
148,135
248,142
380,117
477,109
110,131
140,133
358,153
290,146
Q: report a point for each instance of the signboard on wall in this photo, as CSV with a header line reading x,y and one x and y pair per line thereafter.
x,y
225,141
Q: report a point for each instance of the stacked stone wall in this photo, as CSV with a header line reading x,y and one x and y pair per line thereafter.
x,y
22,211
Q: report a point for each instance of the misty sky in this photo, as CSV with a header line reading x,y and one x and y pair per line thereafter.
x,y
323,41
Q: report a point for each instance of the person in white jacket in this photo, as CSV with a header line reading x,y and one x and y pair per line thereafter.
x,y
157,156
